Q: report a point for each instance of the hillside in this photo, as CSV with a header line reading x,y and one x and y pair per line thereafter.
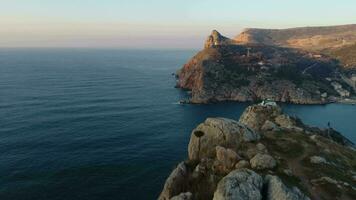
x,y
346,55
308,38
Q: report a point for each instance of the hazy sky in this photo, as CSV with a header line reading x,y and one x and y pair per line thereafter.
x,y
155,23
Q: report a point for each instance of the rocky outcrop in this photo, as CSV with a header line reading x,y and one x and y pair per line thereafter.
x,y
175,183
241,184
216,39
231,70
242,160
218,132
256,117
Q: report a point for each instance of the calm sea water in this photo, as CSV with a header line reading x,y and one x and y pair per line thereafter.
x,y
104,124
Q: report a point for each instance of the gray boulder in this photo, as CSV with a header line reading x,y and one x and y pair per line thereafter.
x,y
218,132
263,161
242,184
176,182
318,160
276,190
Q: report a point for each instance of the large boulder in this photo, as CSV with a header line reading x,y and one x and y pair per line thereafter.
x,y
176,183
242,184
218,132
263,161
276,190
256,116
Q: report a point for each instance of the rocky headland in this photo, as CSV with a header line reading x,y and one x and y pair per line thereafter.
x,y
266,155
262,64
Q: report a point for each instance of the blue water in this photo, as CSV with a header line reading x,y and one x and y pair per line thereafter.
x,y
89,124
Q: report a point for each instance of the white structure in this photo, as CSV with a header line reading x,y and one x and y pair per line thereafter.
x,y
268,102
336,85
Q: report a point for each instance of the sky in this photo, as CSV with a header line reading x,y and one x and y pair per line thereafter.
x,y
155,23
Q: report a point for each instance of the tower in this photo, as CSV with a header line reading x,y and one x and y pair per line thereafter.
x,y
248,51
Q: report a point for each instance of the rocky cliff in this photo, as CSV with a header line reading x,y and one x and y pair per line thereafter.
x,y
264,155
227,71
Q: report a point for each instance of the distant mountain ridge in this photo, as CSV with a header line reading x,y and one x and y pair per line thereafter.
x,y
308,38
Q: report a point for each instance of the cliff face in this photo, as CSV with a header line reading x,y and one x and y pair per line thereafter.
x,y
264,155
225,71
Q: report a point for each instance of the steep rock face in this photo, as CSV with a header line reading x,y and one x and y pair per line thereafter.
x,y
241,184
293,160
176,182
252,73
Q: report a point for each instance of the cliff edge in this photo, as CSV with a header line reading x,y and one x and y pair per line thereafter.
x,y
264,155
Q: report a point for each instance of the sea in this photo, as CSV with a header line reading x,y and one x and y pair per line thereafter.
x,y
105,124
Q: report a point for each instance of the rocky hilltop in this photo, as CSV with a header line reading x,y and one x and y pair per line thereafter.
x,y
249,68
265,155
310,38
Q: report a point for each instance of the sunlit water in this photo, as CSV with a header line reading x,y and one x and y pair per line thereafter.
x,y
104,124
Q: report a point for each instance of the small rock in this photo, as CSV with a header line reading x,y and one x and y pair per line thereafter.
x,y
325,179
242,184
261,148
263,161
288,172
354,177
183,196
269,126
318,160
242,164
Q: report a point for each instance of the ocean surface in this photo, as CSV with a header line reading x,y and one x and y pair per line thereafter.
x,y
90,124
